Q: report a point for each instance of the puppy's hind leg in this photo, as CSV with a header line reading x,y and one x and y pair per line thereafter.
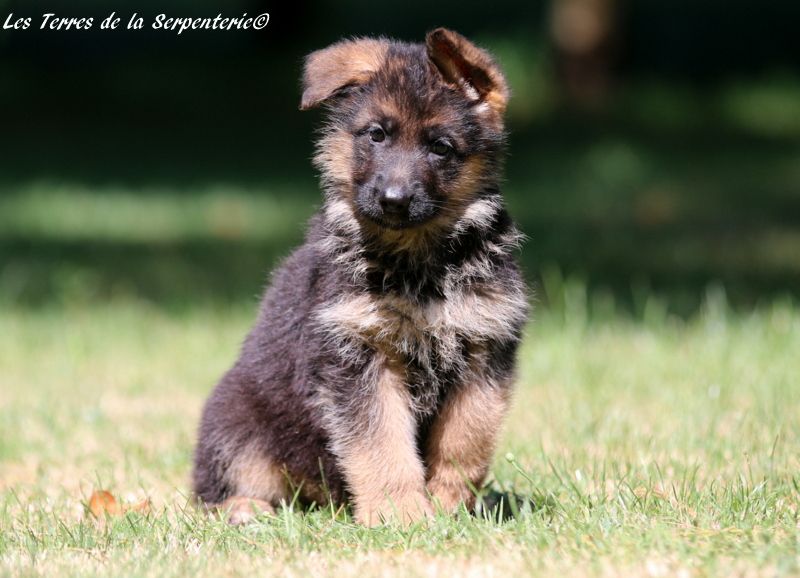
x,y
240,510
257,485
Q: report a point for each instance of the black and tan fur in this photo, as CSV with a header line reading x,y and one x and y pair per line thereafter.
x,y
381,364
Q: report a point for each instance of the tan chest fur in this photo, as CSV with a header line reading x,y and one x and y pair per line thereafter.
x,y
397,325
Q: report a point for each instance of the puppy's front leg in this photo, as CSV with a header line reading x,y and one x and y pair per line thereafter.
x,y
379,457
462,440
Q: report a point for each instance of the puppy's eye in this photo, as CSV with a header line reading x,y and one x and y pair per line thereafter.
x,y
377,134
441,148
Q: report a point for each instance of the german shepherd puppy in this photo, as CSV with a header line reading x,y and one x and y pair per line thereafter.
x,y
381,364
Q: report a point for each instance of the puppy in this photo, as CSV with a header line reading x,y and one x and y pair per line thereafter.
x,y
381,364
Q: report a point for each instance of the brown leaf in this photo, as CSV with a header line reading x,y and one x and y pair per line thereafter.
x,y
102,502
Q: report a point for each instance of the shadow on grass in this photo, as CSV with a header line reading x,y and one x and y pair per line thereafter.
x,y
676,263
177,274
504,506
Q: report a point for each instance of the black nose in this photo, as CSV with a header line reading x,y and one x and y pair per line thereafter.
x,y
395,200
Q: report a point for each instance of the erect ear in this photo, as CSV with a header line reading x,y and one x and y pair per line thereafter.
x,y
465,65
346,63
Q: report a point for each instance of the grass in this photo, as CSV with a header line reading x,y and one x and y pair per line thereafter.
x,y
648,443
651,446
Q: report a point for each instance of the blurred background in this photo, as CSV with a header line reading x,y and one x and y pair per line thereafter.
x,y
655,147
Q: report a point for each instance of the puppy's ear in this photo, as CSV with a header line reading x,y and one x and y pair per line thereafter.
x,y
465,65
347,63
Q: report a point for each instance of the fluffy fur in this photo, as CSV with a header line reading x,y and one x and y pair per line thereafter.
x,y
381,364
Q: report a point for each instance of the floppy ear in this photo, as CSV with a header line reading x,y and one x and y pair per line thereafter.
x,y
346,63
472,69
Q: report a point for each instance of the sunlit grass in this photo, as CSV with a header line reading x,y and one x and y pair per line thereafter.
x,y
648,444
649,447
769,108
74,211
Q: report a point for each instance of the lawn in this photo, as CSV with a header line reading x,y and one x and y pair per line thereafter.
x,y
656,427
647,446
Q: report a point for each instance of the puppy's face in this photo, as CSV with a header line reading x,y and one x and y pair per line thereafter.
x,y
405,161
416,130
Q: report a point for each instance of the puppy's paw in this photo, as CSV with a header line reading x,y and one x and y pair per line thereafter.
x,y
450,495
241,510
403,509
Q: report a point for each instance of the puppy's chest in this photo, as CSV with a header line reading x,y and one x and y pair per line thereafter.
x,y
435,334
425,334
438,342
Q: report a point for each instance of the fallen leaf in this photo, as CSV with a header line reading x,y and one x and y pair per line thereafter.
x,y
102,502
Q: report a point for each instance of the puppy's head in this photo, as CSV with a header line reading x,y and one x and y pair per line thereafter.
x,y
415,132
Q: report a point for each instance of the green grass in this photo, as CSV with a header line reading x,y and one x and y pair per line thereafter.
x,y
656,427
650,446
